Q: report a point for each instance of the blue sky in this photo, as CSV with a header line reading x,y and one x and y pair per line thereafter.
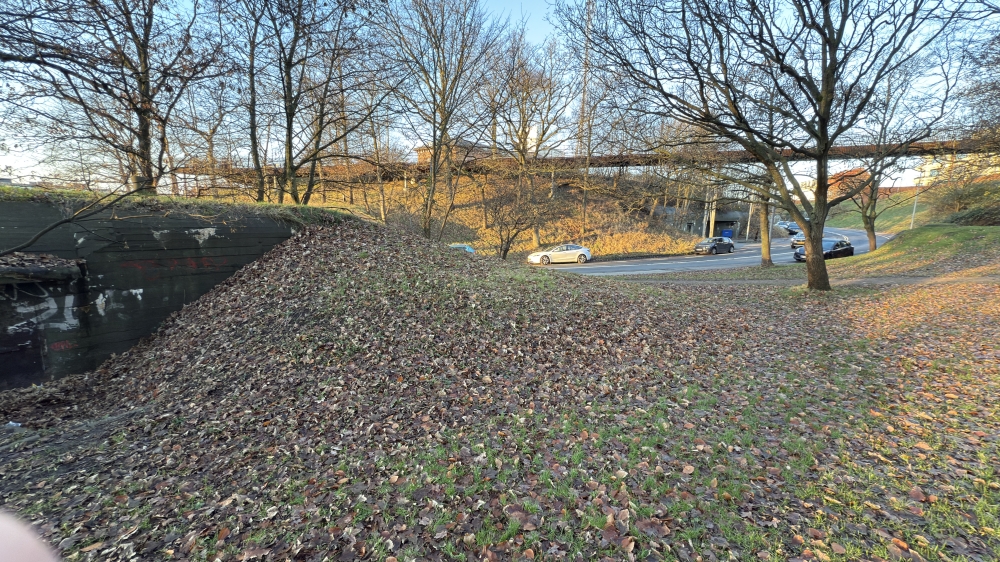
x,y
534,12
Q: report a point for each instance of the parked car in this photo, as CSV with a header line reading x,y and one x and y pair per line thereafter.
x,y
799,240
715,245
832,248
793,227
564,253
463,247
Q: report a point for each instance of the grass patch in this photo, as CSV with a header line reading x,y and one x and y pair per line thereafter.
x,y
929,251
894,219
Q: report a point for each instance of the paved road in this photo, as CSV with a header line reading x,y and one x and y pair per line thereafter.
x,y
745,255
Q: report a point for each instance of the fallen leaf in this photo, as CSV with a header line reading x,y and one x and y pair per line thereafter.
x,y
628,543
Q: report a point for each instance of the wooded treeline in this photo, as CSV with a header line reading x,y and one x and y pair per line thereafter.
x,y
291,100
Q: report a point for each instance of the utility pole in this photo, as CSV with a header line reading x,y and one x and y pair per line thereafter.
x,y
585,126
704,219
913,215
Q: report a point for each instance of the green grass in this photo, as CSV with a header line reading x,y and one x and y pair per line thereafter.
x,y
928,251
895,218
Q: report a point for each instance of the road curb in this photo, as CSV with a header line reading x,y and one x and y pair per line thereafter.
x,y
635,257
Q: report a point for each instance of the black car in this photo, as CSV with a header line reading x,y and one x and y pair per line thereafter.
x,y
793,227
832,248
715,245
790,226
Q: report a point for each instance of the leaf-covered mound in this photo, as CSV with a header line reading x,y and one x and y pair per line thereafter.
x,y
357,393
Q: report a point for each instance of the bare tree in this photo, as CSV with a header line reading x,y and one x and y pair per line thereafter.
x,y
780,79
105,73
445,47
318,53
511,211
535,113
243,23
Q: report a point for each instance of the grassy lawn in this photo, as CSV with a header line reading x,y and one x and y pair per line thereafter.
x,y
930,251
894,219
358,405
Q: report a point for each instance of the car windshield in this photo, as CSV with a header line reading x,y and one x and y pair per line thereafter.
x,y
554,249
828,244
705,241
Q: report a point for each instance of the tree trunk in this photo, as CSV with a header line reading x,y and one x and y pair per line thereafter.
x,y
258,167
144,116
818,278
451,182
765,236
869,222
869,212
425,221
536,235
482,199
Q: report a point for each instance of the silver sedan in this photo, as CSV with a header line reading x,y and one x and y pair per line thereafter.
x,y
564,253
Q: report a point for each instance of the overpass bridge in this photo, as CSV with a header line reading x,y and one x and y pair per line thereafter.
x,y
490,164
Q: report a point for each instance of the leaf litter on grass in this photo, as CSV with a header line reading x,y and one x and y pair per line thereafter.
x,y
360,394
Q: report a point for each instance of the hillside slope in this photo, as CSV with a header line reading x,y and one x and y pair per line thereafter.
x,y
360,394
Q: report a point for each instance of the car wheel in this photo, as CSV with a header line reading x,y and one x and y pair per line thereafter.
x,y
581,259
544,260
714,250
732,248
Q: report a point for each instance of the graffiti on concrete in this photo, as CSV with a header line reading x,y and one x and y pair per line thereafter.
x,y
107,299
54,312
201,234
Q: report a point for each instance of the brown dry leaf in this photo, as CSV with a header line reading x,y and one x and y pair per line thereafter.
x,y
252,553
838,548
688,469
94,546
628,543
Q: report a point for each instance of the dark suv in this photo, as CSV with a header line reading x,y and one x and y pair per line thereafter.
x,y
715,245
